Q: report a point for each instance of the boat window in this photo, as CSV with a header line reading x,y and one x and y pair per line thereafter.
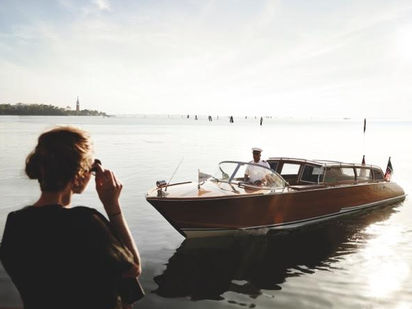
x,y
336,174
273,165
258,176
226,170
290,169
240,173
312,174
363,174
290,172
254,172
348,173
378,174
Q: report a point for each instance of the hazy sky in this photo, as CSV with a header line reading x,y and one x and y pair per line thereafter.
x,y
281,58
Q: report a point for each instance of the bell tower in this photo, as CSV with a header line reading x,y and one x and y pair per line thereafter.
x,y
77,105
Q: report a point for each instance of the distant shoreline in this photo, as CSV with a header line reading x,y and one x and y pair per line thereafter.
x,y
20,109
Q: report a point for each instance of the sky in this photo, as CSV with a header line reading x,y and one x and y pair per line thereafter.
x,y
292,58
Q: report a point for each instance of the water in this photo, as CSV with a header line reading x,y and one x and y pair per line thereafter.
x,y
356,262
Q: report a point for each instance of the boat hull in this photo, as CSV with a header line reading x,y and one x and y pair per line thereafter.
x,y
215,216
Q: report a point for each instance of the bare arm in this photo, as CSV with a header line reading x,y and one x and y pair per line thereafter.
x,y
109,188
120,227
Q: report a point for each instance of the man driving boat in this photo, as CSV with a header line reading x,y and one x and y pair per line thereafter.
x,y
253,174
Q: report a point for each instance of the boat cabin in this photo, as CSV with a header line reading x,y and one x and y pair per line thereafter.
x,y
317,172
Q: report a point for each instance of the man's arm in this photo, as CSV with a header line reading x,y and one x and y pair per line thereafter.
x,y
246,177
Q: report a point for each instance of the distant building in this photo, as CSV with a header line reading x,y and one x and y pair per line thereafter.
x,y
68,108
77,105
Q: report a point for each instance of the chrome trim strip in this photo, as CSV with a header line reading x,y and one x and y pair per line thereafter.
x,y
346,209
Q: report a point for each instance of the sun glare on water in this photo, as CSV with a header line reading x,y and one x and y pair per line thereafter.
x,y
387,271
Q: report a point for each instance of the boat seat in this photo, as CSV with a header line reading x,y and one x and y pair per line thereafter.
x,y
291,179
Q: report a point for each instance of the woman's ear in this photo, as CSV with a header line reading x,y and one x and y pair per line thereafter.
x,y
80,182
76,184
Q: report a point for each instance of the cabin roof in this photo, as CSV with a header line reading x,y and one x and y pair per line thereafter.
x,y
325,163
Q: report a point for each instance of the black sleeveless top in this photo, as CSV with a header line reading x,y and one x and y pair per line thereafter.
x,y
64,257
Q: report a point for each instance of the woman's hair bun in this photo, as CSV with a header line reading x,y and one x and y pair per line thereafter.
x,y
33,168
60,155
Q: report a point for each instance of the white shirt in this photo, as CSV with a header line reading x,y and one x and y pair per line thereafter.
x,y
255,173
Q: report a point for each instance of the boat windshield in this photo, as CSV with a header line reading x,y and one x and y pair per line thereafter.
x,y
250,174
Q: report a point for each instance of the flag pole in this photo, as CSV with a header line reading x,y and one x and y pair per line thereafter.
x,y
364,139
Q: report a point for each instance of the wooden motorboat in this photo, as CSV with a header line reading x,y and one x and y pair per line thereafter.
x,y
291,194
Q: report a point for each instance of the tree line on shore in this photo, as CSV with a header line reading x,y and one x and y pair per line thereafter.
x,y
44,110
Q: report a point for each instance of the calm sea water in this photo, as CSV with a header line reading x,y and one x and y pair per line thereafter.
x,y
361,261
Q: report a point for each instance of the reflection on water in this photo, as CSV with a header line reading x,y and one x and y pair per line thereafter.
x,y
207,268
386,269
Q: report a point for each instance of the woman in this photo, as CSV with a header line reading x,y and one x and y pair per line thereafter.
x,y
64,257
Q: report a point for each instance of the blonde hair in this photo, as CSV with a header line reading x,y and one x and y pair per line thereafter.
x,y
60,155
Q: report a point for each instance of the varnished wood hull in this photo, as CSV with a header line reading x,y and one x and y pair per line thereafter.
x,y
217,215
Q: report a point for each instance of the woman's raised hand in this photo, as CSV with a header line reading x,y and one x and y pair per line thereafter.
x,y
108,188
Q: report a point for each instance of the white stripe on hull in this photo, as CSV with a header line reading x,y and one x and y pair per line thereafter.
x,y
263,229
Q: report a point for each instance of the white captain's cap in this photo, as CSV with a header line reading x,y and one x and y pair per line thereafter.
x,y
256,149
